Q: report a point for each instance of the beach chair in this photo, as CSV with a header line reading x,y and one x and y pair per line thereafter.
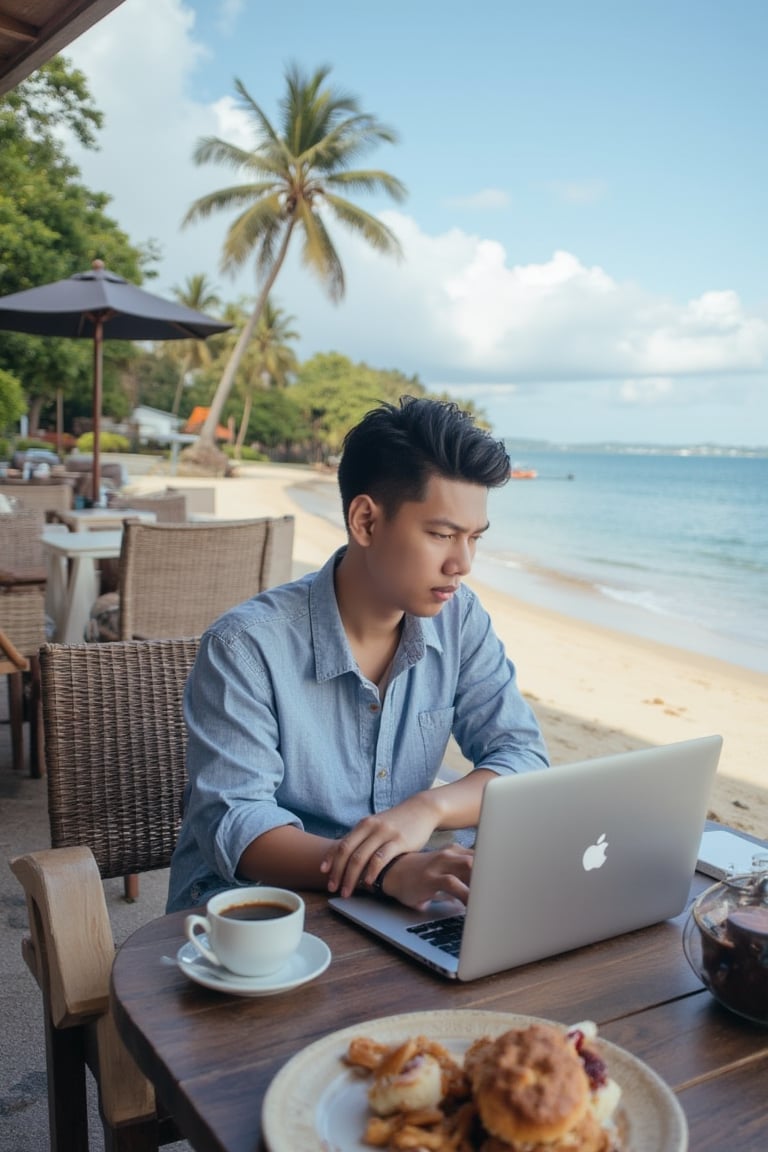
x,y
116,748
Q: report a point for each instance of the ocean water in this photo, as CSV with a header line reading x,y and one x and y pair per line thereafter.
x,y
672,548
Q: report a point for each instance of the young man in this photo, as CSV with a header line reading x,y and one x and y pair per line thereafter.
x,y
319,712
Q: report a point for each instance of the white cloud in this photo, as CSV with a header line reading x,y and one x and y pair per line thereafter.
x,y
233,123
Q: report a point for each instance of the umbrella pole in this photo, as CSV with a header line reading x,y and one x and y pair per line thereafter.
x,y
98,337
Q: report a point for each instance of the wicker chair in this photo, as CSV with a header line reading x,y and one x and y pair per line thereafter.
x,y
50,497
200,501
169,507
22,560
22,619
22,623
175,579
116,747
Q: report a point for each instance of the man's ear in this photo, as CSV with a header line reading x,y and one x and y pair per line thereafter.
x,y
362,516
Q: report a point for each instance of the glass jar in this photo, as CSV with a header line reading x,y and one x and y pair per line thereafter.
x,y
725,940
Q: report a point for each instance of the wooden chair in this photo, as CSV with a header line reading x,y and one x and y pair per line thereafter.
x,y
116,748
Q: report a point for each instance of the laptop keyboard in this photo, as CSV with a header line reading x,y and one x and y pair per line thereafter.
x,y
444,934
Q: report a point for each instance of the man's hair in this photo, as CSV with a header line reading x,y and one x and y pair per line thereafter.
x,y
395,450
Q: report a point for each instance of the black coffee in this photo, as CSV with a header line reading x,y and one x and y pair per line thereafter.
x,y
256,910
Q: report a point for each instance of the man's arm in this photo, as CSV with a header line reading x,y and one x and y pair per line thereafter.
x,y
286,856
358,857
291,858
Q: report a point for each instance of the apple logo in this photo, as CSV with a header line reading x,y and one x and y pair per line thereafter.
x,y
594,856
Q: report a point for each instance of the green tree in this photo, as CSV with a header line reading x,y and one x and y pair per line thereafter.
x,y
12,405
294,175
332,394
276,424
52,226
268,361
192,355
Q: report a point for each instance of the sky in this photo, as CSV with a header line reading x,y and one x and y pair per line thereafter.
x,y
584,234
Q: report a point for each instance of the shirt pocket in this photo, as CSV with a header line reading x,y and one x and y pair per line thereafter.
x,y
435,728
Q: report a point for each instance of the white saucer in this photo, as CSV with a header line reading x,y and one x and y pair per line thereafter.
x,y
310,959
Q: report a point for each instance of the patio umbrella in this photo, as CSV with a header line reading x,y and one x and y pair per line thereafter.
x,y
100,305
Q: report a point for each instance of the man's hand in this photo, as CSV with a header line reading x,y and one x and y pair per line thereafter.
x,y
360,855
419,877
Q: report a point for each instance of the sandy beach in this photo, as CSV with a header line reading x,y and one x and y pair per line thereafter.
x,y
595,691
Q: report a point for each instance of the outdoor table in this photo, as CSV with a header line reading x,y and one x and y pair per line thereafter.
x,y
82,519
212,1056
72,583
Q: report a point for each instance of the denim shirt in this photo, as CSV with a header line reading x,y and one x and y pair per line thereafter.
x,y
285,729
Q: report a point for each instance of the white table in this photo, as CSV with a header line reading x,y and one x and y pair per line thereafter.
x,y
81,519
73,583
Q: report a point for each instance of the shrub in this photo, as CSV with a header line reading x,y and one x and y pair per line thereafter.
x,y
108,442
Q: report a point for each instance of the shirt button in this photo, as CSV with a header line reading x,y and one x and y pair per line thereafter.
x,y
373,707
381,774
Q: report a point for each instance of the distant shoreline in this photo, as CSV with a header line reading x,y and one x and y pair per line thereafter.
x,y
521,447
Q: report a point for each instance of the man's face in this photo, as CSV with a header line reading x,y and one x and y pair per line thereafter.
x,y
416,560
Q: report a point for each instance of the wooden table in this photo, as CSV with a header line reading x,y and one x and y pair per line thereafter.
x,y
212,1056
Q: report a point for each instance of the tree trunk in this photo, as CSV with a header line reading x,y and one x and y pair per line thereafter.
x,y
243,424
207,438
35,408
180,385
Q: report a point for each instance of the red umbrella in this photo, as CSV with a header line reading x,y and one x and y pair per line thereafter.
x,y
100,305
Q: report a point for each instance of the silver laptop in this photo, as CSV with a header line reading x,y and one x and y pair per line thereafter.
x,y
564,857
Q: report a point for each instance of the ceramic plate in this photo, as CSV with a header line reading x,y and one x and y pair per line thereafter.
x,y
317,1104
310,959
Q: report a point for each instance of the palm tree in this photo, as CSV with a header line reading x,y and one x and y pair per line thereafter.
x,y
191,355
294,175
268,361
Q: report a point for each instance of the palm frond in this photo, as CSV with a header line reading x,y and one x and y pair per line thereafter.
x,y
255,230
265,161
373,230
224,198
319,253
369,180
264,125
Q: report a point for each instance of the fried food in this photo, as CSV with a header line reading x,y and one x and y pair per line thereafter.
x,y
532,1089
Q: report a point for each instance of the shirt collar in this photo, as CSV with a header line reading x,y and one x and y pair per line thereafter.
x,y
333,656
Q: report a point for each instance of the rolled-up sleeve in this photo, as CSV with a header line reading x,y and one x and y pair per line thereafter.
x,y
233,760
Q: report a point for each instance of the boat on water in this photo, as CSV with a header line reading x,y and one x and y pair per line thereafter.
x,y
518,473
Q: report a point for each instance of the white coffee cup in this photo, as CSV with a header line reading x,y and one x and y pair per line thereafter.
x,y
251,931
